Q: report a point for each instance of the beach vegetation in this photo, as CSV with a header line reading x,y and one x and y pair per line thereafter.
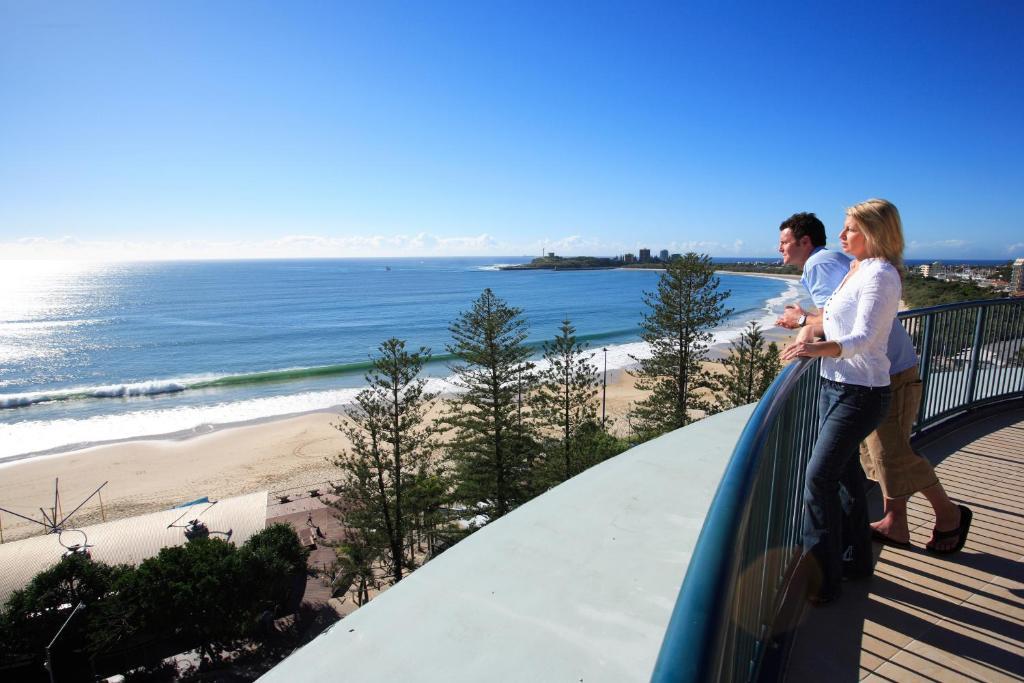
x,y
206,595
196,590
355,572
686,306
751,366
492,448
566,405
32,615
271,559
388,485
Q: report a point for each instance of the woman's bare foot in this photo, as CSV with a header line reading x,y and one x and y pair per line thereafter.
x,y
892,529
893,525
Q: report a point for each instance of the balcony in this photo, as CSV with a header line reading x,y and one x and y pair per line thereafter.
x,y
929,618
583,583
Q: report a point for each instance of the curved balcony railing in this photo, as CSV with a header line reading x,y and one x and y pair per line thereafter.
x,y
739,595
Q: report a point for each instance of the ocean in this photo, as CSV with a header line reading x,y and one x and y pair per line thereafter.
x,y
94,353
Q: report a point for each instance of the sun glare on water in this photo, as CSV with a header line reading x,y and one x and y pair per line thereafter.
x,y
39,302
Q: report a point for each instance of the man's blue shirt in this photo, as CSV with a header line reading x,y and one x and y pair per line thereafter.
x,y
823,273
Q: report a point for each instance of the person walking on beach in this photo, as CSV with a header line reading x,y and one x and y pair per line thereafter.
x,y
886,454
854,396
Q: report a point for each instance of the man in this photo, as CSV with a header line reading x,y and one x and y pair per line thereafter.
x,y
802,244
886,454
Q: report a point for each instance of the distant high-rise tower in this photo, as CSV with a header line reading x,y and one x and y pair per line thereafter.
x,y
663,254
645,255
1017,276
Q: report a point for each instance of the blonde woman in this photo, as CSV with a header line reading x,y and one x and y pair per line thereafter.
x,y
855,393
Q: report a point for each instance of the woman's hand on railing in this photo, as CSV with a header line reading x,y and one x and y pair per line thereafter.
x,y
811,349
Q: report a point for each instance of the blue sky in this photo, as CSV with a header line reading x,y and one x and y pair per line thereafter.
x,y
251,129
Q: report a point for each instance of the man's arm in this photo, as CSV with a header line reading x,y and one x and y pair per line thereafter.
x,y
810,332
790,317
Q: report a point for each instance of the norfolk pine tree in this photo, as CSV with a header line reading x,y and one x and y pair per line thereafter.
x,y
358,558
389,461
685,308
750,369
567,398
491,448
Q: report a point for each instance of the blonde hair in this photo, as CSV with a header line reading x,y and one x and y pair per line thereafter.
x,y
880,222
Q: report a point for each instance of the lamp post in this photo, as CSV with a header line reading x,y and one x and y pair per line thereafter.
x,y
604,386
519,401
49,660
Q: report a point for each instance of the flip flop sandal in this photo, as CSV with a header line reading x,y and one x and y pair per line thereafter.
x,y
885,540
959,533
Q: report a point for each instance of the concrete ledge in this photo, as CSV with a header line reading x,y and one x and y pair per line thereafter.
x,y
577,585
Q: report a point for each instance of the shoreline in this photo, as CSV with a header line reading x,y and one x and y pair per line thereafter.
x,y
774,276
147,474
273,454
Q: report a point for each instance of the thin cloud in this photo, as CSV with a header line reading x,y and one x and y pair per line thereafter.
x,y
916,245
287,246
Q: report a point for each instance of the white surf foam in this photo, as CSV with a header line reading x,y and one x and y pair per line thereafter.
x,y
33,436
149,388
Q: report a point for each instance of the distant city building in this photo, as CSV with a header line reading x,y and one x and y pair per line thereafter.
x,y
551,254
1017,276
663,254
675,256
645,255
629,258
926,270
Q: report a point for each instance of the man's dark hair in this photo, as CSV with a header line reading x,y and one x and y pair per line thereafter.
x,y
805,224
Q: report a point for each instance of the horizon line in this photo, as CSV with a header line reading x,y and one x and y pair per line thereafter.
x,y
212,259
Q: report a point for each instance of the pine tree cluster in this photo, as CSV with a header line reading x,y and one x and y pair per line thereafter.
x,y
516,427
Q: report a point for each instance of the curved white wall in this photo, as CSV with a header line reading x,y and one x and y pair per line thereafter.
x,y
576,585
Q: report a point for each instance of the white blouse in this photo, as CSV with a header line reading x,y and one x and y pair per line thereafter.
x,y
859,315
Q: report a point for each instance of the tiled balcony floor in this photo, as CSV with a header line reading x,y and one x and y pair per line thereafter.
x,y
930,618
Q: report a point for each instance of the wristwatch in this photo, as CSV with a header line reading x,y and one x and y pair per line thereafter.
x,y
802,320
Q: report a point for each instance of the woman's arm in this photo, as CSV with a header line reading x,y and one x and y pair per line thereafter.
x,y
812,349
805,344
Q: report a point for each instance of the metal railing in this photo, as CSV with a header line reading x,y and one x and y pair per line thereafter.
x,y
972,353
738,593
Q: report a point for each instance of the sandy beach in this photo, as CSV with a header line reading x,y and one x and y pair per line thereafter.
x,y
777,276
148,475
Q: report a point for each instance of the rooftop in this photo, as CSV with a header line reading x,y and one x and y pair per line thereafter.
x,y
133,539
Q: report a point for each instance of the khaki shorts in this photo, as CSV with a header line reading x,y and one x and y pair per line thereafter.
x,y
886,455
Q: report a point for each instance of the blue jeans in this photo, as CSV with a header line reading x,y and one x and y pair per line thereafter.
x,y
834,498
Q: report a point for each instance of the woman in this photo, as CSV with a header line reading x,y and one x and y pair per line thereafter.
x,y
855,394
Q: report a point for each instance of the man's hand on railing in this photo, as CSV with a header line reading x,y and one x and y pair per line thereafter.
x,y
790,318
